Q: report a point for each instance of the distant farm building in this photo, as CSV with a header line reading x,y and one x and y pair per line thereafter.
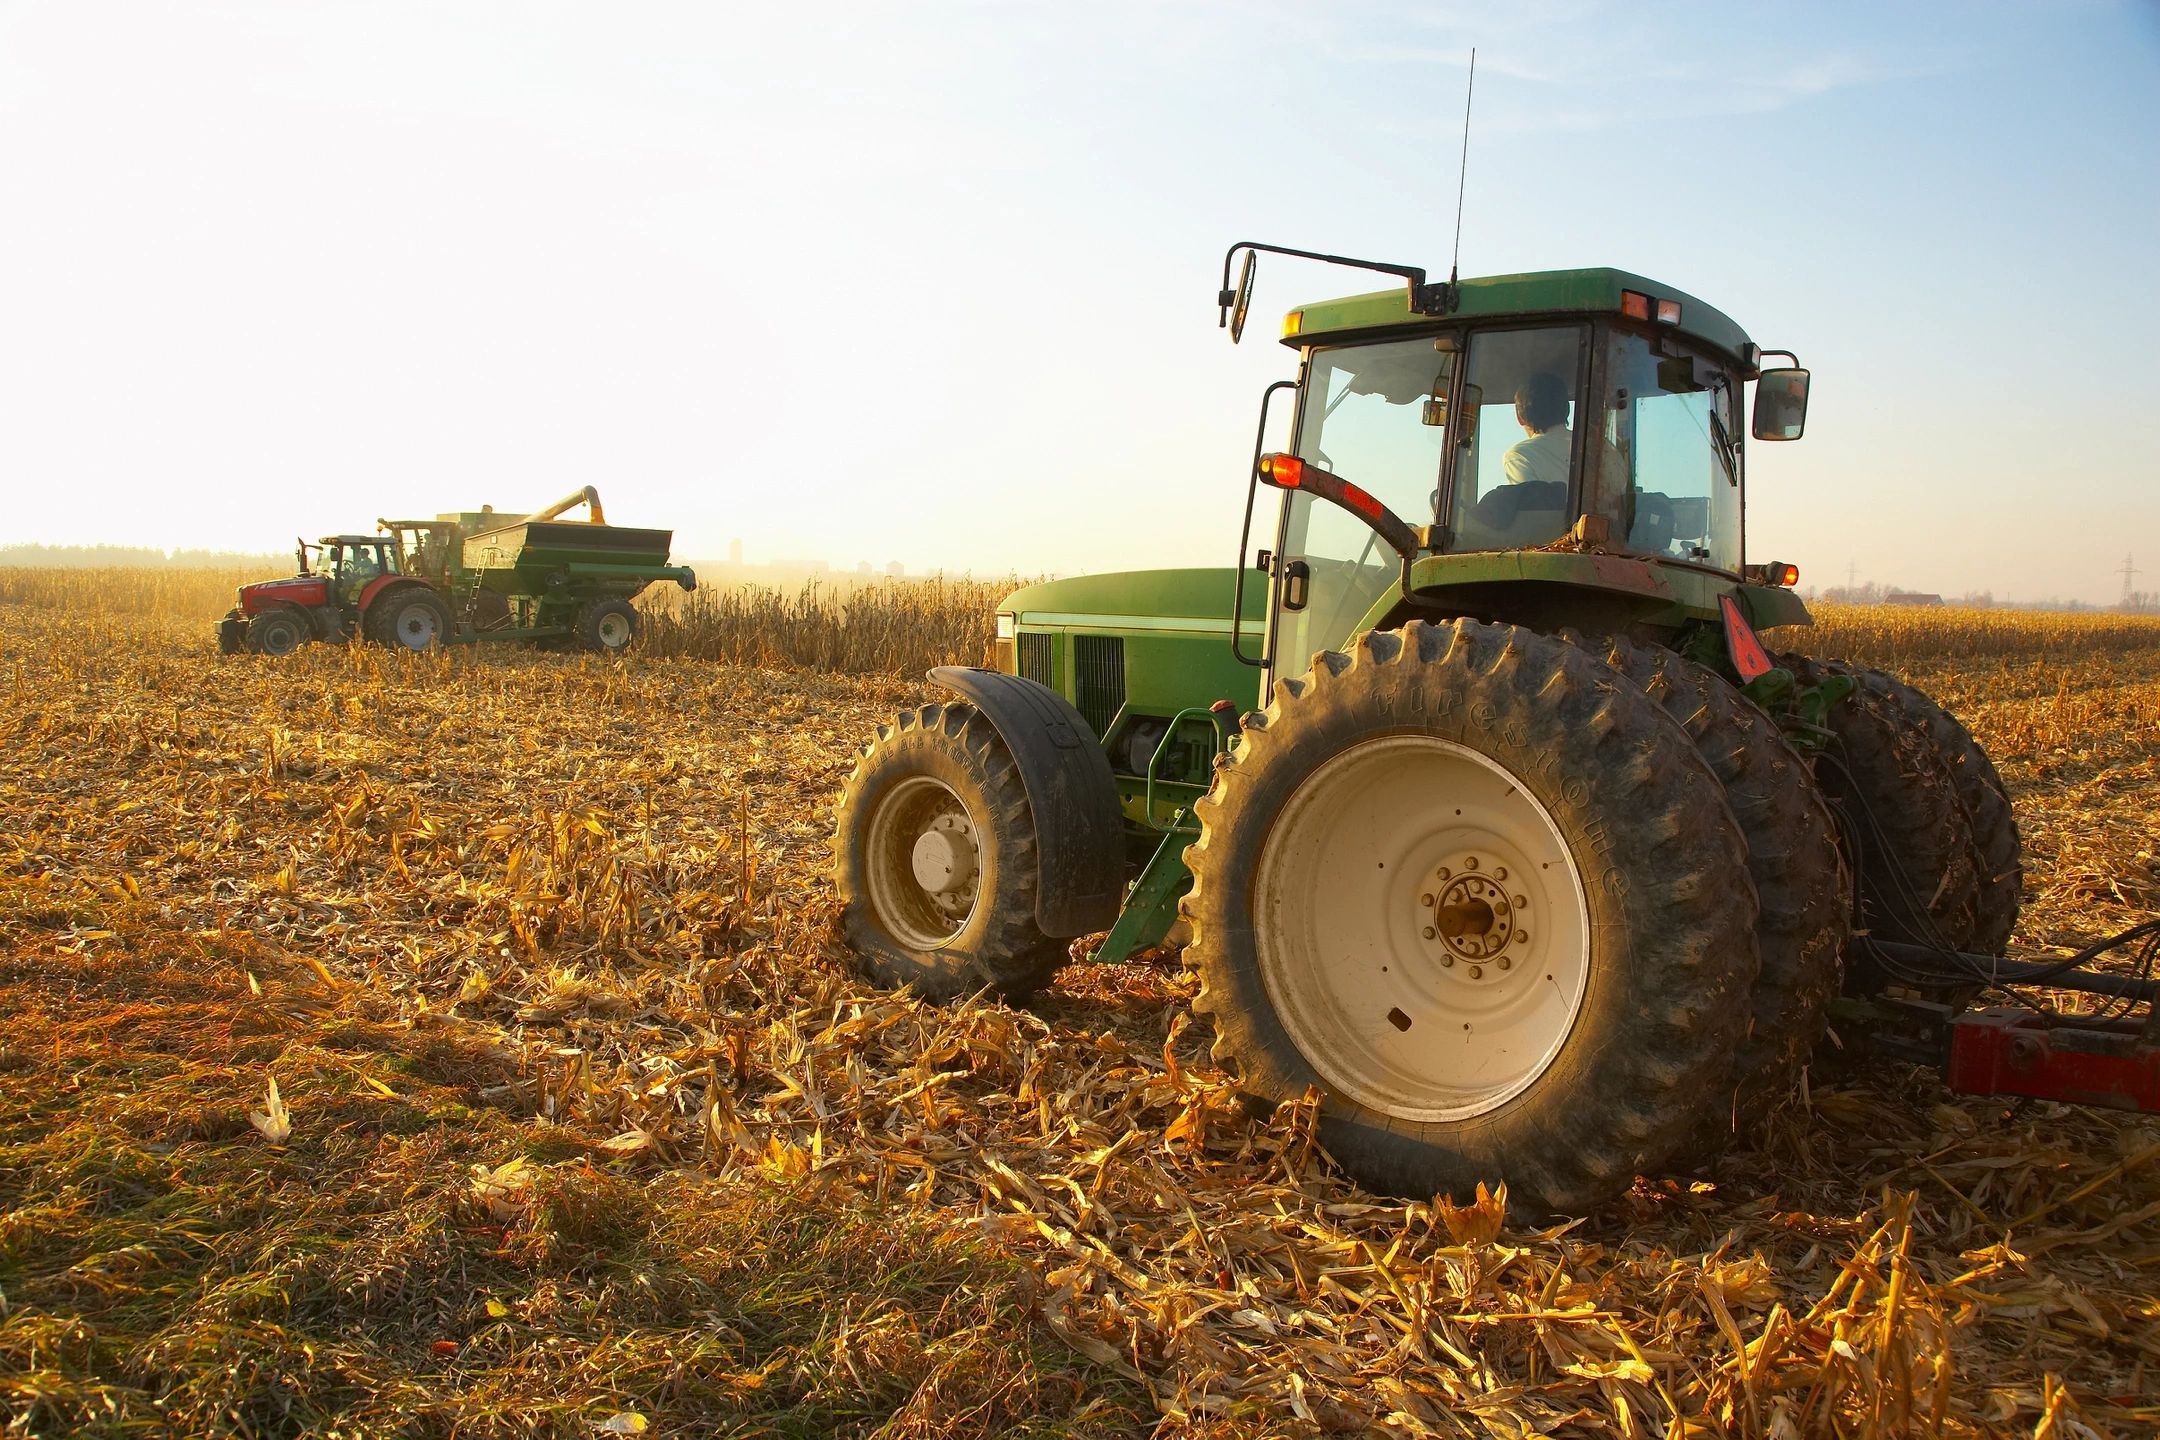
x,y
1911,597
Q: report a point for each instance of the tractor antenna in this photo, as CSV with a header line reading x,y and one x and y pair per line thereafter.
x,y
1462,172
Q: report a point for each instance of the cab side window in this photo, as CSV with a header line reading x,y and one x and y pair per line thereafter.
x,y
1669,463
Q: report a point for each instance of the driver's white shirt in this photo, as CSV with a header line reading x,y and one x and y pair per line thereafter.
x,y
1543,456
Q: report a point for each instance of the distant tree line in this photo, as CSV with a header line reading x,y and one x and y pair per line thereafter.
x,y
1876,593
133,557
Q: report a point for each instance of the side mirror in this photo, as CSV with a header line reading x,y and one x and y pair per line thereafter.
x,y
1780,404
1234,303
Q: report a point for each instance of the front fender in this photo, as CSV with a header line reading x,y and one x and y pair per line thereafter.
x,y
1079,832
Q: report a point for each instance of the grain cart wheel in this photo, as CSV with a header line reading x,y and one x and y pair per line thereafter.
x,y
411,619
279,630
1908,838
936,859
1801,883
1484,895
607,625
1987,806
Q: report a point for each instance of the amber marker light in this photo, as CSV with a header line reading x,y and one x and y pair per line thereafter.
x,y
1286,471
1292,323
1635,305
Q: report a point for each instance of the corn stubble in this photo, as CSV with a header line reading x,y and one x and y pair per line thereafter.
x,y
592,1124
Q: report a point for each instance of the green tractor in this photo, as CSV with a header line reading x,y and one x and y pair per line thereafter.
x,y
1490,818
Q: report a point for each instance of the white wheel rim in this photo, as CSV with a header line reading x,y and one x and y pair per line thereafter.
x,y
924,863
416,627
614,630
1376,856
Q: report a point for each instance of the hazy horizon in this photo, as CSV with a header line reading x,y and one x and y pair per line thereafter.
x,y
935,283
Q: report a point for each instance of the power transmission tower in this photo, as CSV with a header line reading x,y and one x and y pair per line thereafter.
x,y
2129,572
1852,580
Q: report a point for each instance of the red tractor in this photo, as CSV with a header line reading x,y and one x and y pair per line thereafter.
x,y
355,587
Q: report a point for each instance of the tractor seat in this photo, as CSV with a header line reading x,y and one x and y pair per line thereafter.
x,y
1512,516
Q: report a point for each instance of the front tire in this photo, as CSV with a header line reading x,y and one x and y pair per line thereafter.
x,y
1351,919
936,859
277,631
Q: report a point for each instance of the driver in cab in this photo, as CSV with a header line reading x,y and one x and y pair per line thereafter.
x,y
1541,408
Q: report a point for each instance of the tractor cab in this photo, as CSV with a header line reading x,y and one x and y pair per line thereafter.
x,y
352,562
1569,412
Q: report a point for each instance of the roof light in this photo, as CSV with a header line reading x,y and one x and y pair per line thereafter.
x,y
1785,575
1635,305
1668,312
1285,471
1292,323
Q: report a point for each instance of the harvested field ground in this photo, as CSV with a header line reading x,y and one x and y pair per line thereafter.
x,y
593,1128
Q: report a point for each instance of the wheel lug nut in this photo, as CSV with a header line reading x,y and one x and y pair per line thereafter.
x,y
1505,963
1521,936
1470,864
1428,932
1520,901
1447,962
1425,900
1499,872
1477,972
1443,872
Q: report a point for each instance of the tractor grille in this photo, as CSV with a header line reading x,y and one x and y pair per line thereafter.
x,y
1099,670
1035,658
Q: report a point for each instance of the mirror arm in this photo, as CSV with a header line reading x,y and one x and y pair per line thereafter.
x,y
1425,299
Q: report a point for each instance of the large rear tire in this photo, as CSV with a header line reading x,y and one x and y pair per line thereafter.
x,y
1908,838
1794,859
1482,894
279,630
936,858
1996,846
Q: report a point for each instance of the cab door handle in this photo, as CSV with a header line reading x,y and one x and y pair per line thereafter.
x,y
1296,584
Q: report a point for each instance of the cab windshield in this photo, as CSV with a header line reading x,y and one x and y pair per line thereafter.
x,y
1367,415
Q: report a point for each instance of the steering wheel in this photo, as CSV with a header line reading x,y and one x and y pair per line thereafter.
x,y
1653,527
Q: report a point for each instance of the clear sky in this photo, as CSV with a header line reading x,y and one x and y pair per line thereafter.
x,y
935,281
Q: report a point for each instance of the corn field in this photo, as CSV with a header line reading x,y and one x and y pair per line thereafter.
x,y
583,1122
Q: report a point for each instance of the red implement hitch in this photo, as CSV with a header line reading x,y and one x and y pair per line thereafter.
x,y
2082,1061
2109,1060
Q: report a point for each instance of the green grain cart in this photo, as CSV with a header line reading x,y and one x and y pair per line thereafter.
x,y
1491,820
474,575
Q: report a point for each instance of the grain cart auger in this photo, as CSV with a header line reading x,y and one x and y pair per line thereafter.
x,y
468,576
1491,817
